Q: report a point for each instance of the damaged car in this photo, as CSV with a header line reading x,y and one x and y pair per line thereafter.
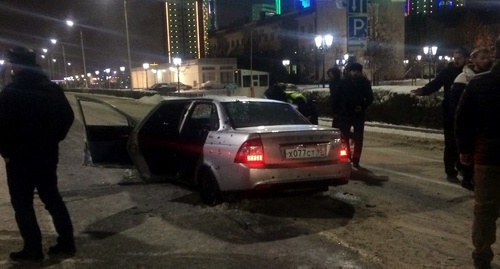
x,y
220,145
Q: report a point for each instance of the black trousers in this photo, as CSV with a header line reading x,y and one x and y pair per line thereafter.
x,y
23,176
356,136
451,156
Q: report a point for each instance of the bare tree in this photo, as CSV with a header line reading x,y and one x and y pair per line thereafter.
x,y
381,43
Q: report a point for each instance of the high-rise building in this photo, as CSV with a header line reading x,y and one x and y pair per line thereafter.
x,y
188,23
428,7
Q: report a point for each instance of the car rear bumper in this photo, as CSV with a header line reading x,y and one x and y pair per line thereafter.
x,y
246,179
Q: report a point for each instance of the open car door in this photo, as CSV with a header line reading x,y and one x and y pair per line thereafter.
x,y
107,130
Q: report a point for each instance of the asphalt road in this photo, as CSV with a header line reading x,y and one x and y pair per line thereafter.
x,y
396,212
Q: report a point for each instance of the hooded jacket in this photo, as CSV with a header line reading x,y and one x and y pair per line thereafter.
x,y
457,89
477,127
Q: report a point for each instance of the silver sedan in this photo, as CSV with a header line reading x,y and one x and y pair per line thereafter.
x,y
220,145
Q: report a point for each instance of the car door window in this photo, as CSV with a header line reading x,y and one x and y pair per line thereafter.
x,y
202,119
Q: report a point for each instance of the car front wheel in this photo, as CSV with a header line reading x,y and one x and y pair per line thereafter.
x,y
209,189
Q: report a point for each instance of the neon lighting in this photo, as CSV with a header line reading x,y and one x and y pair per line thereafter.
x,y
278,6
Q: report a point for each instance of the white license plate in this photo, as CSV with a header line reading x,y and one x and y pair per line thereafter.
x,y
305,153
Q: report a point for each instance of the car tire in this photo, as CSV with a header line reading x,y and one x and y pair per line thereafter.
x,y
209,189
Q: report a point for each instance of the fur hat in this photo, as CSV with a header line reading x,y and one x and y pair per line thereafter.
x,y
22,56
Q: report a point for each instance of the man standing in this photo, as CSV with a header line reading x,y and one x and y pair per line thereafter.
x,y
34,117
480,61
445,79
478,140
356,95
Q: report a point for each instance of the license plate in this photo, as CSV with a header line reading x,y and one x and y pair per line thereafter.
x,y
305,152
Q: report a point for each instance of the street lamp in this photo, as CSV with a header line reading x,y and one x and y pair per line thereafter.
x,y
128,41
70,24
286,64
177,62
146,67
54,41
430,51
323,43
419,57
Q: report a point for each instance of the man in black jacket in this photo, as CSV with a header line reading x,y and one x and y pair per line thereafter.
x,y
480,61
356,95
478,139
34,117
445,79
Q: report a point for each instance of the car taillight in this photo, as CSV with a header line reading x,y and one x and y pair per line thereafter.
x,y
251,153
344,153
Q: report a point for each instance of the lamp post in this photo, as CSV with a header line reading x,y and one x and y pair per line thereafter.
x,y
54,41
108,77
286,64
146,67
419,57
430,52
323,43
128,41
122,70
48,60
70,24
177,62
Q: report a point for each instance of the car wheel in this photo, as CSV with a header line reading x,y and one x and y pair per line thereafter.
x,y
209,189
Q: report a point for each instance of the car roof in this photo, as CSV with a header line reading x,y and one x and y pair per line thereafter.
x,y
222,99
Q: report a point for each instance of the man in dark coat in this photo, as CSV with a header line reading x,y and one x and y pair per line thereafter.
x,y
445,79
478,139
335,76
34,117
356,95
480,61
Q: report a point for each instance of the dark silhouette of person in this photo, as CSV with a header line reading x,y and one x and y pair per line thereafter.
x,y
356,96
480,61
445,79
34,117
335,78
478,141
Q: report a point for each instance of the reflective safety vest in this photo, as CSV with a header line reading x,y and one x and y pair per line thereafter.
x,y
295,97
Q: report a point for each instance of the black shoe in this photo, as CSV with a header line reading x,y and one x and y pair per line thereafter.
x,y
62,250
26,255
355,165
467,184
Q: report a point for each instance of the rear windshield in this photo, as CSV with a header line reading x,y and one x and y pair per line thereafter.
x,y
249,114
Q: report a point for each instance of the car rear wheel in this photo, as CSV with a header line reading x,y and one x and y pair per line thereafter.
x,y
209,189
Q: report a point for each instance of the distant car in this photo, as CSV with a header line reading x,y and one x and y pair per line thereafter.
x,y
163,87
220,144
169,87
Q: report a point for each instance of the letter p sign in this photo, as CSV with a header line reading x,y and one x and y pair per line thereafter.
x,y
357,26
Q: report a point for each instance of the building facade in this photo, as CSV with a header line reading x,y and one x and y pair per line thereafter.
x,y
264,44
188,23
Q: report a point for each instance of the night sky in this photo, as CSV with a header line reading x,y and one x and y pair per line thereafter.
x,y
33,23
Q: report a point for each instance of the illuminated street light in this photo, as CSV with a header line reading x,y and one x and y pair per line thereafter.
x,y
323,43
177,62
146,67
430,52
71,24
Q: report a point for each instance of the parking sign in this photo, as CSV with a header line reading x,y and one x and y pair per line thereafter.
x,y
357,26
